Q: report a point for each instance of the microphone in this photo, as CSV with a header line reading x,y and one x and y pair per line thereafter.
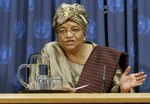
x,y
104,77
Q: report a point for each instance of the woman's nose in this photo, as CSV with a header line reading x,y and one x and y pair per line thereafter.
x,y
69,34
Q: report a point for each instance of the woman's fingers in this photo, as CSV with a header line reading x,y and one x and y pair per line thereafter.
x,y
139,74
127,71
68,88
139,78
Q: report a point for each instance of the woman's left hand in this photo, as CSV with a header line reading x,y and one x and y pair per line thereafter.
x,y
68,88
129,81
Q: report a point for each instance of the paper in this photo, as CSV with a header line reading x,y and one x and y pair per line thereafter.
x,y
81,87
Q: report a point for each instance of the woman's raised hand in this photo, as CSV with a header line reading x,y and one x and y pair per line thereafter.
x,y
129,81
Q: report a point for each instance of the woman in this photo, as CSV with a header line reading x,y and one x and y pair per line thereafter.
x,y
80,62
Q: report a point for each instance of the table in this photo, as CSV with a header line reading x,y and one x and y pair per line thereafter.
x,y
19,98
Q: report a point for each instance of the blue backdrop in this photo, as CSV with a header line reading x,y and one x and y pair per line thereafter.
x,y
25,26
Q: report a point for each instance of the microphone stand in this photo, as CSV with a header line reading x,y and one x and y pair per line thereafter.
x,y
104,77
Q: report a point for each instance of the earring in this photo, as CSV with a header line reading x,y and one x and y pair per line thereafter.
x,y
84,39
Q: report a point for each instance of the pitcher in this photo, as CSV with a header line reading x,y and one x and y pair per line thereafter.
x,y
35,62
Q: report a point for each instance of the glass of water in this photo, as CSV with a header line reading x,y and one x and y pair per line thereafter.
x,y
56,83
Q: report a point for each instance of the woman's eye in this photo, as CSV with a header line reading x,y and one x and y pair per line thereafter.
x,y
75,30
62,31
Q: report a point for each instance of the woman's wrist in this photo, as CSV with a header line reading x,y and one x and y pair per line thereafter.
x,y
122,90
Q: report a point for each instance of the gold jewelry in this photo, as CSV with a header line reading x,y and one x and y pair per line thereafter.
x,y
84,39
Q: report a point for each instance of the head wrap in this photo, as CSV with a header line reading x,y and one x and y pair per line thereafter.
x,y
74,12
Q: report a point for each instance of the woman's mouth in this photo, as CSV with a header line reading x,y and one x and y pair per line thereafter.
x,y
69,42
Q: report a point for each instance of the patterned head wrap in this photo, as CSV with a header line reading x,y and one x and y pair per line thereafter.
x,y
74,12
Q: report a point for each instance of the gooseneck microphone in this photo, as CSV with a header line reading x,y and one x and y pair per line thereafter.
x,y
103,82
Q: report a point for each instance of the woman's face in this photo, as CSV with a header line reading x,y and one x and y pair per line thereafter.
x,y
70,36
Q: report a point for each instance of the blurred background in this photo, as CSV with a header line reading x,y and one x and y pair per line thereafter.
x,y
25,26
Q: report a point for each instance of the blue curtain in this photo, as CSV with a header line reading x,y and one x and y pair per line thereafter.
x,y
25,26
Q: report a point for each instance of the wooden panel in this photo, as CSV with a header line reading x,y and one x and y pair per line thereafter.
x,y
75,98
